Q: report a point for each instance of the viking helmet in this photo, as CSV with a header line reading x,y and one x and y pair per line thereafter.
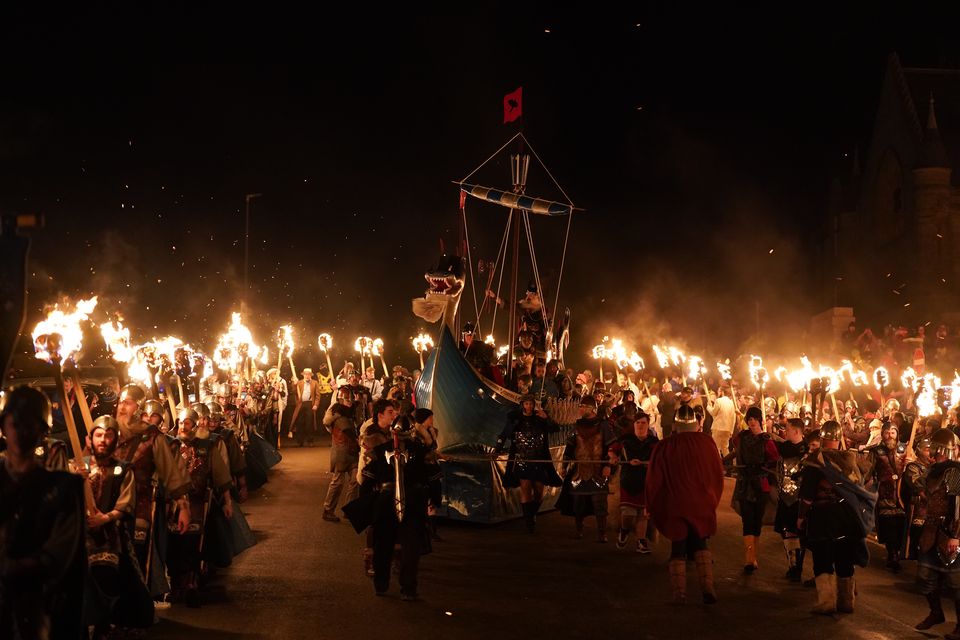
x,y
215,409
106,422
943,442
188,414
831,430
133,392
153,408
201,409
27,403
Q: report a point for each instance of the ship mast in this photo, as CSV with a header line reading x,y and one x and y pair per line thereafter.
x,y
519,166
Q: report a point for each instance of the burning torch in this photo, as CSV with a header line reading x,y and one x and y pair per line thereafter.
x,y
56,341
325,342
377,350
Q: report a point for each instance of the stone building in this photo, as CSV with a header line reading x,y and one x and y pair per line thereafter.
x,y
891,245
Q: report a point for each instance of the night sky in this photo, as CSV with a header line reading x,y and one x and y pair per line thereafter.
x,y
695,142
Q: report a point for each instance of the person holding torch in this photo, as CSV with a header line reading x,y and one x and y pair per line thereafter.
x,y
150,455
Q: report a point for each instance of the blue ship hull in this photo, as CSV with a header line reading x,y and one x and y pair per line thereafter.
x,y
469,413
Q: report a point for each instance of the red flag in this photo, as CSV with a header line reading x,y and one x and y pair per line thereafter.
x,y
513,105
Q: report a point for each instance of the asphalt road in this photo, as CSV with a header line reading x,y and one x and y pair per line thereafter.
x,y
304,579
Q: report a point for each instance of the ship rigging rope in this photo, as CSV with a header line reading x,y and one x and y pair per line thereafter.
x,y
498,264
473,282
566,239
455,458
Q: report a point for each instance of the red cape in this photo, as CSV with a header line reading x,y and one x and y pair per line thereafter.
x,y
684,485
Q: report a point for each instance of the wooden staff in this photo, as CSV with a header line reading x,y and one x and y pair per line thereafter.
x,y
183,398
420,353
384,363
74,435
171,408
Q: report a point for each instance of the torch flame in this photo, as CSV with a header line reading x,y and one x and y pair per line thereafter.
x,y
325,342
676,356
489,340
926,399
598,352
724,369
696,367
881,377
377,346
758,373
422,343
284,342
363,346
234,345
909,379
66,324
662,358
117,339
636,362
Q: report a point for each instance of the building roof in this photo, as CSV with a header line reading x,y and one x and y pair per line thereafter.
x,y
943,85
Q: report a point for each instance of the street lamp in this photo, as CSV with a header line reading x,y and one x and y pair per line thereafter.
x,y
246,255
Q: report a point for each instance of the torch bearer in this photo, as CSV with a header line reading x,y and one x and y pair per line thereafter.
x,y
378,351
56,340
326,343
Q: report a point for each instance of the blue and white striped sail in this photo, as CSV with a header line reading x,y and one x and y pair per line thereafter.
x,y
513,200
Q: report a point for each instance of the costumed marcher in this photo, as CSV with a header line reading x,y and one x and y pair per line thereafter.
x,y
42,529
756,457
160,476
116,593
587,477
836,512
633,449
684,485
886,468
209,479
248,468
338,420
303,422
528,429
913,494
793,449
399,517
940,536
276,403
724,414
427,432
326,385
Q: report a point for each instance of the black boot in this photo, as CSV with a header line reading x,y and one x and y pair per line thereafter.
x,y
955,634
893,560
433,529
936,613
529,516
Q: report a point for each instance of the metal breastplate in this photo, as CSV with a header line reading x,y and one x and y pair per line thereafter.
x,y
789,472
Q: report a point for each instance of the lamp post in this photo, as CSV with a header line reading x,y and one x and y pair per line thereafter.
x,y
246,253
